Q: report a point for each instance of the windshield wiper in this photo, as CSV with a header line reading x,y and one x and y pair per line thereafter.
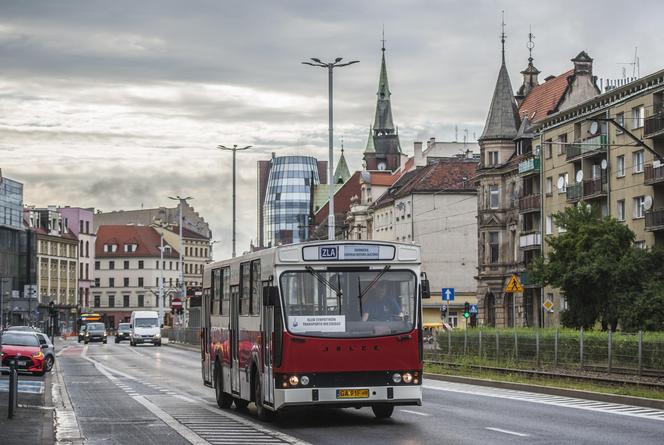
x,y
362,293
323,280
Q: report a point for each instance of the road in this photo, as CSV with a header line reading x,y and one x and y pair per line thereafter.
x,y
149,395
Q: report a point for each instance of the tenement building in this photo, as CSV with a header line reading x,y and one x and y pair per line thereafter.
x,y
80,223
509,183
129,270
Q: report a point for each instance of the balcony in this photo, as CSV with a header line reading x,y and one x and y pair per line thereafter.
x,y
530,203
574,192
654,126
655,220
529,166
532,240
593,188
653,175
590,147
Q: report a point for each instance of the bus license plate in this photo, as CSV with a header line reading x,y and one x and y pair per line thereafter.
x,y
352,393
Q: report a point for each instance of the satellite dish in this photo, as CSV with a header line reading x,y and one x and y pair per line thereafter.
x,y
647,202
561,183
579,176
604,164
594,127
589,207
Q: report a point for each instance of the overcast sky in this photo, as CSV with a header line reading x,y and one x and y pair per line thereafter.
x,y
118,104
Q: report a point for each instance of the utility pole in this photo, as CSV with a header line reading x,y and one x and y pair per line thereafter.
x,y
2,302
330,182
161,280
233,149
182,202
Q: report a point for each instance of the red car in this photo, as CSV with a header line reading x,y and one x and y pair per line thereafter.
x,y
24,350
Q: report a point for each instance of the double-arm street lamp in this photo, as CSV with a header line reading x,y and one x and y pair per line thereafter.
x,y
234,148
330,183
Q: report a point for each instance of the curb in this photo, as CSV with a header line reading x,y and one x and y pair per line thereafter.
x,y
65,423
551,390
183,346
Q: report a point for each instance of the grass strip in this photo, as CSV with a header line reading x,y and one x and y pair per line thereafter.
x,y
628,389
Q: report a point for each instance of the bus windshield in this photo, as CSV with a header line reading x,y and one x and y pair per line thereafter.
x,y
323,303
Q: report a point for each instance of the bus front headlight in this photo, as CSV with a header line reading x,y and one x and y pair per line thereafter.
x,y
293,380
396,377
407,377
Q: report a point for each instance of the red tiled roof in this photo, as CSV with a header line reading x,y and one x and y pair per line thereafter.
x,y
147,238
384,178
543,99
448,174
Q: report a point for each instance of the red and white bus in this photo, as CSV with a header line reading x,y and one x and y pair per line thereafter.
x,y
334,322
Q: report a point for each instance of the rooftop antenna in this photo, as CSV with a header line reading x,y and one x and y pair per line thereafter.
x,y
456,133
636,68
465,137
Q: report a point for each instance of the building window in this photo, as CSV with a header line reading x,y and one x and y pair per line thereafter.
x,y
111,301
547,148
170,265
80,229
620,119
87,271
637,161
110,248
141,264
494,247
125,300
97,301
620,166
87,227
126,282
562,141
111,282
638,116
564,177
640,244
639,210
96,265
97,283
493,158
140,281
126,264
549,185
494,197
620,210
157,262
549,224
111,265
141,300
130,248
156,282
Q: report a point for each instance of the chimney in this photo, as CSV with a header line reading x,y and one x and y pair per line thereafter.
x,y
420,160
583,64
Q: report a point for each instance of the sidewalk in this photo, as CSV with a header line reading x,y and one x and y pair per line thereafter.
x,y
33,419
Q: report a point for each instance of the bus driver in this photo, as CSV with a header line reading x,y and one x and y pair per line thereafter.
x,y
381,305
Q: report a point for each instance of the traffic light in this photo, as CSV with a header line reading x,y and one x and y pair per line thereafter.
x,y
466,309
443,312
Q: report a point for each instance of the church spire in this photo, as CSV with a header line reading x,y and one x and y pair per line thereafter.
x,y
342,173
503,120
383,123
370,142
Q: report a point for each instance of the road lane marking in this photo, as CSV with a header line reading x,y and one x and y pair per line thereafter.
x,y
170,421
560,401
415,412
513,433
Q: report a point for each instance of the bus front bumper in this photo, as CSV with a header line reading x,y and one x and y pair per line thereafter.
x,y
394,395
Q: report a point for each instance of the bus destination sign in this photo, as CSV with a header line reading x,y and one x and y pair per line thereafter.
x,y
348,252
317,323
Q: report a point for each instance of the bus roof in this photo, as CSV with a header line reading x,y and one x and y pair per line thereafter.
x,y
335,252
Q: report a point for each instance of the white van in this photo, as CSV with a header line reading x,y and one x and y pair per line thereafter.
x,y
145,328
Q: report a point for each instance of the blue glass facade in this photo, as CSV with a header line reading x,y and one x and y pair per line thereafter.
x,y
11,204
288,199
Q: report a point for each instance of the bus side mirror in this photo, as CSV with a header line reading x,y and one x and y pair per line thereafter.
x,y
426,290
131,326
270,296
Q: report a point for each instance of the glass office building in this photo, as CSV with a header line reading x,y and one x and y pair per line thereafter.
x,y
287,203
11,204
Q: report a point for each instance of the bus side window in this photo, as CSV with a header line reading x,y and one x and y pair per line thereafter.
x,y
245,288
226,290
256,289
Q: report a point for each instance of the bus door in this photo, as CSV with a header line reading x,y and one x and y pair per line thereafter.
x,y
268,333
206,338
235,339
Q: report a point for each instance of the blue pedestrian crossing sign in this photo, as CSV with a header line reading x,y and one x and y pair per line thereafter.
x,y
447,293
473,309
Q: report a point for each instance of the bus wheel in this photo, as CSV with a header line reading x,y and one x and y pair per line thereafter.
x,y
240,404
261,412
223,400
383,411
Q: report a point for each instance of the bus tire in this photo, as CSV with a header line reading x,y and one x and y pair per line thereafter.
x,y
224,401
261,412
240,404
382,411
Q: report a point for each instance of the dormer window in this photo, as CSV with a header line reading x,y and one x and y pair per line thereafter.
x,y
110,248
130,248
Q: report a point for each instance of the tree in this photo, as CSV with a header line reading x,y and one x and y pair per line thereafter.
x,y
595,264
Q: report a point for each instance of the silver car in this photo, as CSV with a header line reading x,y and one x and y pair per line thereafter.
x,y
49,351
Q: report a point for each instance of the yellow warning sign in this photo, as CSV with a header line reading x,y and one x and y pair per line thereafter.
x,y
513,285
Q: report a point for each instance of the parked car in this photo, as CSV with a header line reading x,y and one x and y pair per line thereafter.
x,y
124,332
23,329
95,332
49,351
23,350
81,333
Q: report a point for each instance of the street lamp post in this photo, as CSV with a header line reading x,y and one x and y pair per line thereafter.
x,y
234,148
161,280
330,183
182,202
2,302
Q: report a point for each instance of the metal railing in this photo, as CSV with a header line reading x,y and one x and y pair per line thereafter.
x,y
594,187
530,202
529,165
590,146
628,353
574,192
652,174
655,220
654,125
188,336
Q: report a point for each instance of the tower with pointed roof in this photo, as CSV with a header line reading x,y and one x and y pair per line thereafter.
x,y
341,173
383,150
530,74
